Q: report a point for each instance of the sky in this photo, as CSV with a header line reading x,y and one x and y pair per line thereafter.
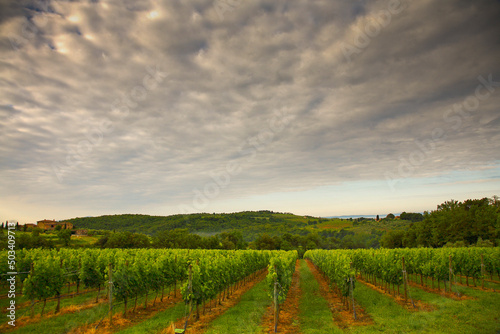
x,y
318,108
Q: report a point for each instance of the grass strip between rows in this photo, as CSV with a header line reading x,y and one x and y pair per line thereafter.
x,y
315,315
246,316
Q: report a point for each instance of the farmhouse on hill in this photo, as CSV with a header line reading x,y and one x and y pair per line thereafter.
x,y
52,224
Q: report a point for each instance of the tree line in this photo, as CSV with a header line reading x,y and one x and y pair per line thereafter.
x,y
453,223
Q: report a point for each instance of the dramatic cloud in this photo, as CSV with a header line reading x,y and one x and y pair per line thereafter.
x,y
165,107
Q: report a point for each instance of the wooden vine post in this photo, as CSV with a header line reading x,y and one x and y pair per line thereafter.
x,y
78,279
110,293
197,310
190,289
175,280
451,273
275,302
404,280
352,296
482,272
58,306
32,272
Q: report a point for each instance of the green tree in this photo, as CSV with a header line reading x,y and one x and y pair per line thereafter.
x,y
413,217
64,236
484,243
265,241
392,239
455,221
235,238
124,240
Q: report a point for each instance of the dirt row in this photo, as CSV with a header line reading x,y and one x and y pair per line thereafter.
x,y
409,304
131,318
28,320
289,311
342,316
215,310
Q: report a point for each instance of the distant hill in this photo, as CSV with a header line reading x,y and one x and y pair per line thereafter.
x,y
362,216
250,223
353,216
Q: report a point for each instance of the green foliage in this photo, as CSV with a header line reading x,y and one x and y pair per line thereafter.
x,y
93,270
64,236
177,238
452,224
455,221
249,223
456,244
125,283
413,217
484,243
123,240
386,264
46,280
265,230
392,239
336,265
280,271
214,271
26,240
268,242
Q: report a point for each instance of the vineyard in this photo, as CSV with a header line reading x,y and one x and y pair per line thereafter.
x,y
249,291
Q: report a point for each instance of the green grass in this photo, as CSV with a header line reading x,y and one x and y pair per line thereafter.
x,y
246,316
315,315
64,323
82,241
458,287
475,316
334,224
159,321
20,298
51,305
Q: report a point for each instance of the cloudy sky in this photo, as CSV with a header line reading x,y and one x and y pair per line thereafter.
x,y
312,107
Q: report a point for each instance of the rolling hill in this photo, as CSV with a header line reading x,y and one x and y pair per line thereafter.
x,y
250,223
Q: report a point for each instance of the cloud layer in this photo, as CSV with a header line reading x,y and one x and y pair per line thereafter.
x,y
125,106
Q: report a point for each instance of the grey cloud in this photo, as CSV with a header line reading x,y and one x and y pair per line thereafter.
x,y
226,79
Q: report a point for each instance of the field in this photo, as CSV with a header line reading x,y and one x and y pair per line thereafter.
x,y
234,292
335,224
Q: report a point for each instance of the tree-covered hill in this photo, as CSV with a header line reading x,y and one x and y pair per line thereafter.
x,y
460,223
251,222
